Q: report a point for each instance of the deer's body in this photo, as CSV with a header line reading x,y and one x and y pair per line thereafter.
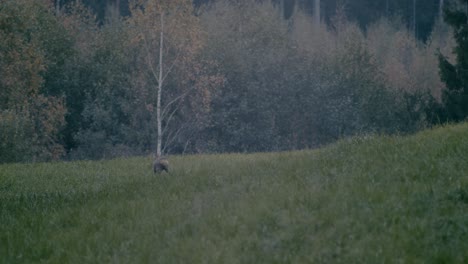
x,y
160,164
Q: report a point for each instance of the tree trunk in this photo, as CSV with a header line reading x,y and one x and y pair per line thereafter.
x,y
160,80
117,6
387,8
414,18
288,8
317,13
282,8
441,9
57,7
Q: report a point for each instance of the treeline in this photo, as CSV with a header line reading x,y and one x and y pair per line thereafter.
x,y
419,16
237,77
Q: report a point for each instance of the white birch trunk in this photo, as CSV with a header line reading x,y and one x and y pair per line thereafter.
x,y
57,8
282,8
414,18
441,9
117,7
317,13
160,83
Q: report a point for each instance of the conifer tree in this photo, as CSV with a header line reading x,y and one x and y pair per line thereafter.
x,y
455,76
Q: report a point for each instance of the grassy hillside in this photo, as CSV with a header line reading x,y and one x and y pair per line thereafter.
x,y
362,200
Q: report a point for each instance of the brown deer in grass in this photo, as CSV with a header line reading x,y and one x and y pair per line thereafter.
x,y
160,164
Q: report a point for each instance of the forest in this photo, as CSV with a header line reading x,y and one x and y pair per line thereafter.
x,y
102,79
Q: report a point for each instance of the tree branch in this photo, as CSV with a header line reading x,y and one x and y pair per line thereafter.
x,y
170,117
171,139
148,53
170,68
171,102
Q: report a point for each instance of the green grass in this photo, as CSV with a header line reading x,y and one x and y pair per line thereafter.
x,y
362,200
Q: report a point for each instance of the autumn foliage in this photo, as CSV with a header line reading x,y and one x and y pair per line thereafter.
x,y
232,76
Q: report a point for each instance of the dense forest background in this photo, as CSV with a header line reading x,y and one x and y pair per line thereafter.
x,y
419,16
78,78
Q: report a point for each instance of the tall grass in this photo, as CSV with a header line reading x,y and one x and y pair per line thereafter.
x,y
374,199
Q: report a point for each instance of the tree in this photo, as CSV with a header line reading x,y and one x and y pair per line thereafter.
x,y
317,13
441,9
251,42
413,24
58,7
30,117
169,38
455,76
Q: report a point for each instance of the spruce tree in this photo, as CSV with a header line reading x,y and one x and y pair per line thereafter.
x,y
455,76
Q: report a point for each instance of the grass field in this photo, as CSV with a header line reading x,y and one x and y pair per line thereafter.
x,y
362,200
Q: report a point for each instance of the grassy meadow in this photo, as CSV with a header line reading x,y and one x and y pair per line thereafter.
x,y
376,199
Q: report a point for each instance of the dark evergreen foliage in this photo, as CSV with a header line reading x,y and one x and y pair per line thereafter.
x,y
455,76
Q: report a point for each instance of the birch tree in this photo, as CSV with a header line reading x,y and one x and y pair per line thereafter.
x,y
317,13
413,24
57,7
441,7
169,37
